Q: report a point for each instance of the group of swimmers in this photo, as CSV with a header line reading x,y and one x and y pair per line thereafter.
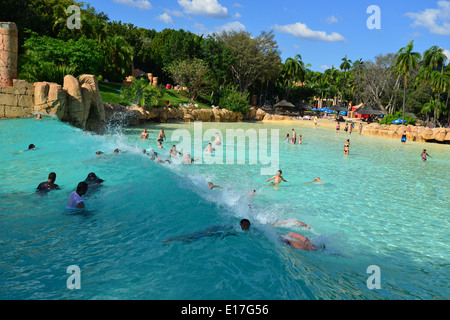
x,y
75,200
293,139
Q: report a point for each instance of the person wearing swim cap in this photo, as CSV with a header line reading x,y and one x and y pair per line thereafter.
x,y
49,184
75,199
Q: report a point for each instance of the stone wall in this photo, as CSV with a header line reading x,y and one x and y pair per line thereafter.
x,y
420,134
17,101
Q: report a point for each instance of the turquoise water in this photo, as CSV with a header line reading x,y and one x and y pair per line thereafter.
x,y
380,205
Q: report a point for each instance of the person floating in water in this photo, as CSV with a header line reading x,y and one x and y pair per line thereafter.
x,y
144,134
215,232
277,178
212,185
209,148
316,180
424,155
93,181
403,140
99,153
49,184
251,194
117,150
75,199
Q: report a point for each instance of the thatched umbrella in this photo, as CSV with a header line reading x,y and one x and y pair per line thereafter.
x,y
338,107
284,104
303,106
367,110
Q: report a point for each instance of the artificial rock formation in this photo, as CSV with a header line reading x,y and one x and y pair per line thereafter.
x,y
421,134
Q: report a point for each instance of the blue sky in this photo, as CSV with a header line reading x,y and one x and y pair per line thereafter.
x,y
321,31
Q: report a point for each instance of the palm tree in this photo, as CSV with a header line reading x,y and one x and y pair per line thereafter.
x,y
294,69
345,65
433,60
406,61
118,56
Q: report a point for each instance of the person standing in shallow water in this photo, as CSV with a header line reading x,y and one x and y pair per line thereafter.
x,y
403,137
424,155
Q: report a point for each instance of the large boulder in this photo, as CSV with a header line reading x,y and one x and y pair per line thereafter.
x,y
50,98
76,111
205,115
260,115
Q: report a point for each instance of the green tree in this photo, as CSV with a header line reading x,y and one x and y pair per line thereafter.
x,y
117,59
141,93
254,58
433,60
190,73
234,100
406,60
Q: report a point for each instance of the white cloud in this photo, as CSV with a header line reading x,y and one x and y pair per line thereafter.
x,y
141,4
175,13
165,18
331,20
232,26
237,15
324,67
301,30
447,53
206,8
437,21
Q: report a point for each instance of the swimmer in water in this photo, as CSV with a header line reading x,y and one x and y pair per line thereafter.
x,y
217,141
251,194
160,145
49,184
209,148
144,134
174,152
39,117
161,136
316,180
215,231
31,147
99,153
278,178
75,199
93,181
297,241
188,159
212,185
424,155
117,150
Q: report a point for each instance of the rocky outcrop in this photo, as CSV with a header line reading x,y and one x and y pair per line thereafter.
x,y
420,134
50,98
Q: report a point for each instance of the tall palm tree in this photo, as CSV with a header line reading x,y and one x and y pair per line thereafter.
x,y
118,56
434,59
294,69
406,61
345,65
